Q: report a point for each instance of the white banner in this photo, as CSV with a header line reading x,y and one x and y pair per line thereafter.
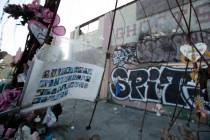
x,y
51,83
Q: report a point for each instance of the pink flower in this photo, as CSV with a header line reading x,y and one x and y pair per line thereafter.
x,y
47,15
8,96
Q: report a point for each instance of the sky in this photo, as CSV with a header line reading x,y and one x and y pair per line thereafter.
x,y
76,12
72,14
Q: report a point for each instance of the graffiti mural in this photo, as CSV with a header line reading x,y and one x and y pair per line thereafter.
x,y
132,79
124,54
161,49
161,22
155,84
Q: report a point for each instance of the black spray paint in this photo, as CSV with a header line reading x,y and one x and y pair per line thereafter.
x,y
155,84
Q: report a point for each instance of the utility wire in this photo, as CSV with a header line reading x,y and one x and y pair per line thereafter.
x,y
190,15
199,24
174,17
177,99
190,40
108,48
185,20
180,19
173,118
193,45
198,80
145,108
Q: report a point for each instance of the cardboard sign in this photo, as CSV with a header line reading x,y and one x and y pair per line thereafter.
x,y
52,82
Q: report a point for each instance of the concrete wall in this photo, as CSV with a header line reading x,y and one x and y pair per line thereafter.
x,y
132,80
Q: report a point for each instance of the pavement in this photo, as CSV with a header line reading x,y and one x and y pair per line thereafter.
x,y
116,122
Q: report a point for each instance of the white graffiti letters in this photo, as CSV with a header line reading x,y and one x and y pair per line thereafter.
x,y
156,84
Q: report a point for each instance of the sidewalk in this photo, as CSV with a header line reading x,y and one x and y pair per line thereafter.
x,y
114,122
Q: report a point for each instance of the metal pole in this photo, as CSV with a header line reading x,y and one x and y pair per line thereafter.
x,y
96,102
